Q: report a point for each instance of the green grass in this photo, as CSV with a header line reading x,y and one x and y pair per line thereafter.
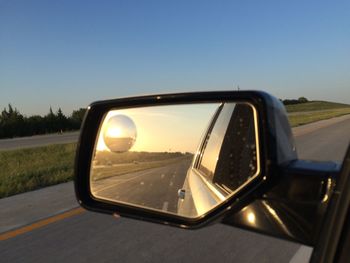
x,y
309,117
304,113
29,169
315,106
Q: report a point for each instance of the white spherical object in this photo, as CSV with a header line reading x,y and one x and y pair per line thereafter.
x,y
120,133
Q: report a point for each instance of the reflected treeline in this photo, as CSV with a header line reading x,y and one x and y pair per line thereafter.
x,y
110,158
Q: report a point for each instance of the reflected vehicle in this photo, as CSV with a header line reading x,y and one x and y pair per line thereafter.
x,y
228,147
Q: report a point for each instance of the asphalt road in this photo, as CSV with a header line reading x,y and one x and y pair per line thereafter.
x,y
324,142
39,140
93,237
90,237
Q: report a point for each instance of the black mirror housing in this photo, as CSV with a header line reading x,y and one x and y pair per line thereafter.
x,y
276,147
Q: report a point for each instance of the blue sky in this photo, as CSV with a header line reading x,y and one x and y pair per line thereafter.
x,y
70,53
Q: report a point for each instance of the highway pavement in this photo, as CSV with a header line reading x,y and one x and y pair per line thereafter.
x,y
38,140
324,140
91,237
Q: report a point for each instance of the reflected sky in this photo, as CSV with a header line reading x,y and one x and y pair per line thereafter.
x,y
164,128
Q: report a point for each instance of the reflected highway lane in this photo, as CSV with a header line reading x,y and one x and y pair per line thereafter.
x,y
155,188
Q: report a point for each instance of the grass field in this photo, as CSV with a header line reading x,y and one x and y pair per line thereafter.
x,y
304,113
309,117
315,106
28,169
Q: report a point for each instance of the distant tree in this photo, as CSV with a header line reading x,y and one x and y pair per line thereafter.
x,y
61,121
294,101
290,102
11,123
14,124
302,100
49,120
35,125
77,118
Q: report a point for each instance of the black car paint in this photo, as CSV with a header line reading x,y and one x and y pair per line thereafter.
x,y
294,207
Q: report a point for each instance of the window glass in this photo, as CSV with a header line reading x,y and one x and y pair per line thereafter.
x,y
214,141
237,162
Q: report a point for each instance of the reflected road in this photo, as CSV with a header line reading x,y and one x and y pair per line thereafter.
x,y
156,188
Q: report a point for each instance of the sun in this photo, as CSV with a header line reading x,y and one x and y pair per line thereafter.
x,y
114,132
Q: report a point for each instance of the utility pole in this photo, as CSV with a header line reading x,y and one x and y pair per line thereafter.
x,y
236,86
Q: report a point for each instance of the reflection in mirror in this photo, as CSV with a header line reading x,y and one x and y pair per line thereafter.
x,y
179,159
120,133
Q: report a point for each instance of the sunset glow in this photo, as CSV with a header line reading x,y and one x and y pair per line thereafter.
x,y
160,128
114,132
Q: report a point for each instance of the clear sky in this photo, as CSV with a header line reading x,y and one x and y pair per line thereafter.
x,y
70,53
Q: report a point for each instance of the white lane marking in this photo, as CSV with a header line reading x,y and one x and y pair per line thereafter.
x,y
121,180
115,183
165,206
302,255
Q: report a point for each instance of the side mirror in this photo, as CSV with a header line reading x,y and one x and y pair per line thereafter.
x,y
180,159
152,157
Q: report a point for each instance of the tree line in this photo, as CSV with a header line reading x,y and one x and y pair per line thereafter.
x,y
294,101
14,124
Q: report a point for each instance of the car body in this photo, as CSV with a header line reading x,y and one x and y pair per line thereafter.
x,y
205,186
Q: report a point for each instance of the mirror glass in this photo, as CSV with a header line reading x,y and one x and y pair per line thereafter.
x,y
179,159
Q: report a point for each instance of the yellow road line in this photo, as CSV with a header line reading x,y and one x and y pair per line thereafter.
x,y
41,223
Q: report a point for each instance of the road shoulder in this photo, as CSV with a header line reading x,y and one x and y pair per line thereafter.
x,y
311,127
23,209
